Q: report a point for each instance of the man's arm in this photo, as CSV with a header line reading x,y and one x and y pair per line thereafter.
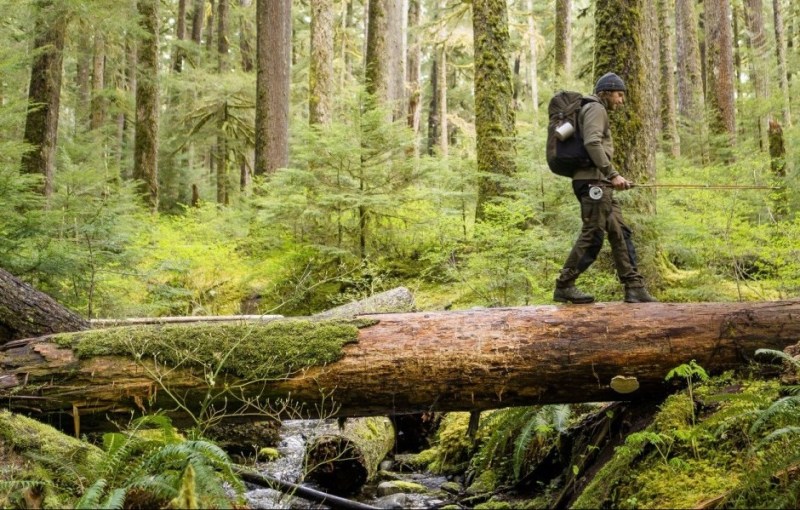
x,y
595,118
594,123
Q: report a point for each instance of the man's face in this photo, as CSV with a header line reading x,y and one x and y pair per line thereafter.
x,y
616,98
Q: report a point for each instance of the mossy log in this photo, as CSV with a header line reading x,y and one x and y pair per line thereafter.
x,y
390,363
26,312
343,461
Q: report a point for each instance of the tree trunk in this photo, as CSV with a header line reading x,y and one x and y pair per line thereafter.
x,y
397,26
274,36
719,67
145,159
622,47
44,94
222,138
691,106
210,29
433,110
414,68
320,76
198,16
83,63
222,36
25,312
494,108
777,156
563,39
98,106
180,35
759,62
342,462
401,363
780,50
533,66
245,38
376,61
669,117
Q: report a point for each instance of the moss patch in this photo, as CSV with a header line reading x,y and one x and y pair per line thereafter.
x,y
33,451
251,351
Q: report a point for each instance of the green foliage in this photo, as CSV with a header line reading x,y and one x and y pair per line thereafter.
x,y
349,183
159,466
452,447
734,448
514,440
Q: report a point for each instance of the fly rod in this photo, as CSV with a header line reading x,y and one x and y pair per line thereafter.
x,y
704,186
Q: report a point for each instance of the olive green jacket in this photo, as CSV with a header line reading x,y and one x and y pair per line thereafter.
x,y
596,132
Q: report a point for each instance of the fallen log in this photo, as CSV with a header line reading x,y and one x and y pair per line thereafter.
x,y
391,363
26,312
344,461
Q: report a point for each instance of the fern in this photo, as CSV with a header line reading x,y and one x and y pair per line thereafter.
x,y
779,355
786,408
521,446
91,497
780,433
160,466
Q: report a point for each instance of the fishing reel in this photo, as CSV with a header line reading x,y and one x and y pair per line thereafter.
x,y
595,192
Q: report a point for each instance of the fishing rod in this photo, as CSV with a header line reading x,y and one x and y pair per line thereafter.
x,y
704,186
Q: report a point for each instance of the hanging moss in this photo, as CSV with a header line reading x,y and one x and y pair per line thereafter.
x,y
250,350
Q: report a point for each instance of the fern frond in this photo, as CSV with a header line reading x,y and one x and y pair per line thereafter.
x,y
778,355
521,446
561,415
116,499
777,434
11,485
786,407
91,497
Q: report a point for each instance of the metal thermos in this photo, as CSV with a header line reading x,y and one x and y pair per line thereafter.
x,y
564,131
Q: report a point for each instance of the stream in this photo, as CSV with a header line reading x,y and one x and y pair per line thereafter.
x,y
294,434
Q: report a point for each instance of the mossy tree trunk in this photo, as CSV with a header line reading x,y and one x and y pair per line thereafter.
x,y
494,101
691,105
398,363
145,159
669,116
719,68
320,75
780,51
44,94
623,45
25,312
563,39
759,65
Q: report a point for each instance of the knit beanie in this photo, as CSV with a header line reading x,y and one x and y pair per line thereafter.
x,y
609,81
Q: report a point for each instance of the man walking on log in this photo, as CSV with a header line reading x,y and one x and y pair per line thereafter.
x,y
600,211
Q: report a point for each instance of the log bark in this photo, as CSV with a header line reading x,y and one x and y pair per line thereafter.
x,y
415,362
343,462
26,312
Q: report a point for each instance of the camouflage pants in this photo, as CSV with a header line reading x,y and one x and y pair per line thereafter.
x,y
600,216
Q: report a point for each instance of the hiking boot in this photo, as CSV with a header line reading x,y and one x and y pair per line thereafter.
x,y
571,295
638,295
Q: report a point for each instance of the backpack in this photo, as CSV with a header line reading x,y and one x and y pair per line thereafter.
x,y
565,150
